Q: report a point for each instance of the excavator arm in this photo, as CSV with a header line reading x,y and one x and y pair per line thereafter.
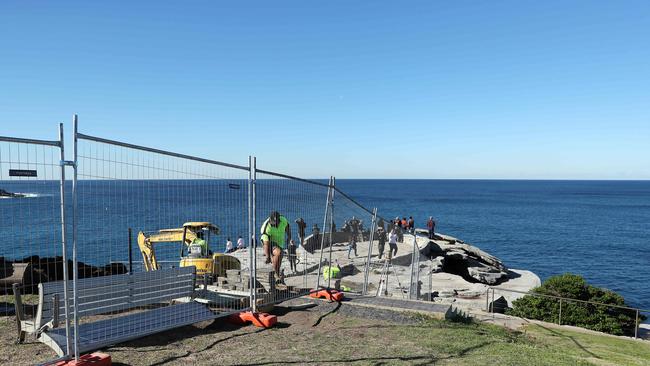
x,y
146,243
186,235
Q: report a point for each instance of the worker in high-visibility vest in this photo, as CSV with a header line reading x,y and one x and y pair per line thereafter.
x,y
276,232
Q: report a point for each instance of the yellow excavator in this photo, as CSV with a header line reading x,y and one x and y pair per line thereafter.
x,y
195,249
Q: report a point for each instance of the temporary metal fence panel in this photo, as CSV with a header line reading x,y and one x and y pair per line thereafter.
x,y
303,204
32,227
353,248
127,207
160,210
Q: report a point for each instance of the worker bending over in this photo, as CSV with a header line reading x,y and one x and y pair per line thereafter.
x,y
276,232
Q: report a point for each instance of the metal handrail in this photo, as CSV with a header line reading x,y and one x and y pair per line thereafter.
x,y
568,299
571,299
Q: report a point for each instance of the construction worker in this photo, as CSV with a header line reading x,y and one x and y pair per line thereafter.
x,y
274,229
201,242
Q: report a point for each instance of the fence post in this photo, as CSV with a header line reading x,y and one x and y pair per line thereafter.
x,y
75,266
430,282
64,230
415,269
252,237
559,317
492,304
130,251
322,242
487,300
329,278
371,238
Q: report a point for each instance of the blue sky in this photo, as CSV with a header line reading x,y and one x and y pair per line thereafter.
x,y
423,89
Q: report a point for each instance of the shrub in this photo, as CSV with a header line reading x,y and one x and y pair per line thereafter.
x,y
602,318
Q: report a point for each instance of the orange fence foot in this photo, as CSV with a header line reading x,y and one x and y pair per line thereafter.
x,y
329,294
260,320
94,359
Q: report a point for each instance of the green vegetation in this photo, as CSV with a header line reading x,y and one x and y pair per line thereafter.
x,y
601,318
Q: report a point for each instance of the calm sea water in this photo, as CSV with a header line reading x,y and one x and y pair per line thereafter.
x,y
598,229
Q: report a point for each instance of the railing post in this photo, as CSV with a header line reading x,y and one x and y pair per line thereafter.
x,y
636,325
366,273
75,266
492,304
559,317
487,300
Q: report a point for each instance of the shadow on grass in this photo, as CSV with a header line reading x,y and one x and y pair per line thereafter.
x,y
206,348
426,359
338,306
161,341
570,338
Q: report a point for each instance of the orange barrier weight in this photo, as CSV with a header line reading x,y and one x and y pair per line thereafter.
x,y
91,359
260,320
331,295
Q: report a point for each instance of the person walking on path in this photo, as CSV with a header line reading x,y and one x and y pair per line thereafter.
x,y
381,236
431,225
392,245
400,233
275,231
300,222
411,225
354,233
291,253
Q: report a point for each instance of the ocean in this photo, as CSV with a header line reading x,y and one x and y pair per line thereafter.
x,y
597,229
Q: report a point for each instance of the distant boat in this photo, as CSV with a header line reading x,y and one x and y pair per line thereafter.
x,y
4,193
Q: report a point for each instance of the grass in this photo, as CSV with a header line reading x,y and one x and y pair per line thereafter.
x,y
595,348
324,337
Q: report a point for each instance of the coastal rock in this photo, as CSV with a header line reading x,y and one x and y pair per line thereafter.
x,y
35,270
437,264
484,273
453,256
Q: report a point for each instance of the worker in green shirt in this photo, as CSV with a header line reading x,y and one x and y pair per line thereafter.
x,y
201,243
276,232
